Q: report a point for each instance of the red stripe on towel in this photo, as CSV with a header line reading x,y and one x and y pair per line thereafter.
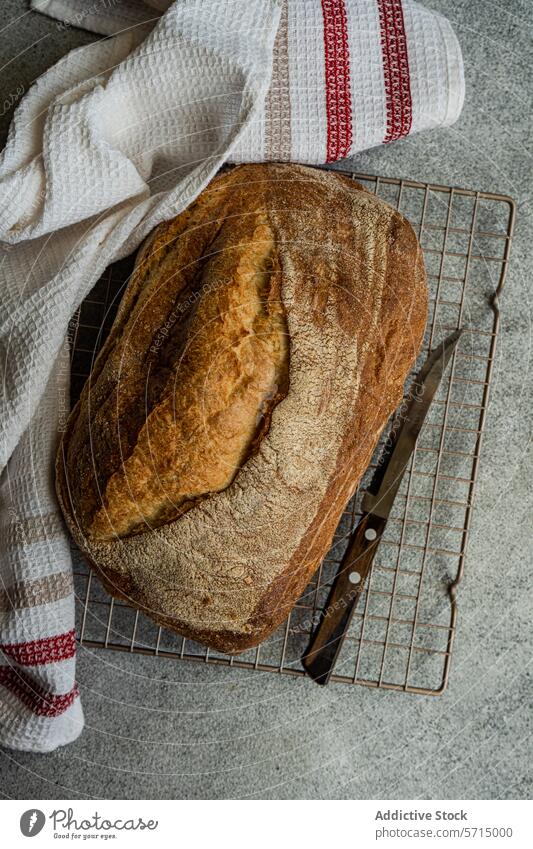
x,y
395,69
38,700
38,652
337,71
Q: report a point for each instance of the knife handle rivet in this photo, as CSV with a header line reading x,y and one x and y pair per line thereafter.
x,y
370,533
354,577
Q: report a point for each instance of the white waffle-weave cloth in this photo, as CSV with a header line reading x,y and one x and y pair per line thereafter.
x,y
116,137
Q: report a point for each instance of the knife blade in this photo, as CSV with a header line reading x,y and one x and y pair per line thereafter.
x,y
326,642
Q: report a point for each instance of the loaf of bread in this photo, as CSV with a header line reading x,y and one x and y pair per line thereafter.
x,y
261,345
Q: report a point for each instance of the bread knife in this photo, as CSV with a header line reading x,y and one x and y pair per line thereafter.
x,y
326,642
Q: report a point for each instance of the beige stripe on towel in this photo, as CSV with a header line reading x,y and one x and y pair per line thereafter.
x,y
277,104
34,593
26,531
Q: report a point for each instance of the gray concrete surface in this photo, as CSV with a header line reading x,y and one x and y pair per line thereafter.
x,y
171,731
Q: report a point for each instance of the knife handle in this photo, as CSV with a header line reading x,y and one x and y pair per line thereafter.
x,y
326,643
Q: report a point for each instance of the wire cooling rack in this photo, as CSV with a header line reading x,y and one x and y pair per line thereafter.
x,y
403,630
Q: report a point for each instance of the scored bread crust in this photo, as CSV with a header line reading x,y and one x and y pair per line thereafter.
x,y
349,275
186,387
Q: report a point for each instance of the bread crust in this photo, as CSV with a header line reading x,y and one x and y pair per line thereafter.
x,y
346,284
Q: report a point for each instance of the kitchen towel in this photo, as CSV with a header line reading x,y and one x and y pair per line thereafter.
x,y
116,137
